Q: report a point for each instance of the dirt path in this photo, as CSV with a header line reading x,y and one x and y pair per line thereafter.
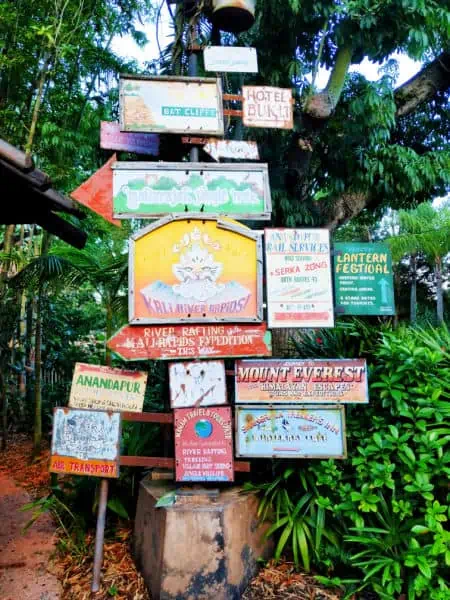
x,y
24,558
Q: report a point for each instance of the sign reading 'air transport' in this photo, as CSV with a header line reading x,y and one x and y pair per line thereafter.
x,y
363,279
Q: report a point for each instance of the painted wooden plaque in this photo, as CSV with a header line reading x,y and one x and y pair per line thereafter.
x,y
153,190
104,388
264,106
234,59
203,444
278,381
298,274
139,342
194,384
111,138
85,442
195,269
171,105
290,432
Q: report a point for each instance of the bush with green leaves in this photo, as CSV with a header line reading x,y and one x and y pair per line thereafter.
x,y
378,520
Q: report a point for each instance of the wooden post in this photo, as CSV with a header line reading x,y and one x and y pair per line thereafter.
x,y
99,535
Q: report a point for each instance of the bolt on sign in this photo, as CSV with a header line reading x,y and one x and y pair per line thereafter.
x,y
194,384
104,388
153,190
267,107
363,279
290,432
298,274
203,444
186,105
111,138
85,442
325,381
137,342
232,59
195,269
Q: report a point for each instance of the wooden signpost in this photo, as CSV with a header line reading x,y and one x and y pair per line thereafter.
x,y
269,107
195,269
111,138
243,150
194,384
298,273
154,190
139,342
222,59
186,105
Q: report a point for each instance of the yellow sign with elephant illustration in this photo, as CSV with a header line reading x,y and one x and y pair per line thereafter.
x,y
196,269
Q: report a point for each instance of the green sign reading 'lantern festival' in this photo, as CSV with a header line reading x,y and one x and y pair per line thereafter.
x,y
363,279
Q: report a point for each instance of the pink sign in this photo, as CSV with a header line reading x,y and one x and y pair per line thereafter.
x,y
111,138
203,444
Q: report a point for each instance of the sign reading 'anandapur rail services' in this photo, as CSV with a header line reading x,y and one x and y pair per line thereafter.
x,y
103,388
276,381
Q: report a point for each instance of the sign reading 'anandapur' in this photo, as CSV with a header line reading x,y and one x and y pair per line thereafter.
x,y
298,273
103,388
195,269
278,381
363,279
203,444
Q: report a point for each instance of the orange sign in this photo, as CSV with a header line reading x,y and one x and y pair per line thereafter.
x,y
196,269
75,466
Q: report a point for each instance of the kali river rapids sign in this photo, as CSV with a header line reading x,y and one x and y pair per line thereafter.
x,y
137,342
290,432
203,444
151,189
103,388
171,105
298,272
363,279
195,269
277,381
85,442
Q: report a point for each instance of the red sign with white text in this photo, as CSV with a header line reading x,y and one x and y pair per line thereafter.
x,y
203,444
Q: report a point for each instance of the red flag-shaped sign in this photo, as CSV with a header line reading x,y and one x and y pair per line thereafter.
x,y
97,192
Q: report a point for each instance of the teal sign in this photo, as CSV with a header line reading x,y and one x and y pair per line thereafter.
x,y
363,279
188,111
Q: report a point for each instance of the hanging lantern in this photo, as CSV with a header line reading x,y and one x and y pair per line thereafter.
x,y
233,15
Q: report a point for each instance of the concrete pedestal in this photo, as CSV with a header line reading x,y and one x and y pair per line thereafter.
x,y
200,548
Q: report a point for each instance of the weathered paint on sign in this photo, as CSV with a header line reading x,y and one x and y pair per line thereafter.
x,y
363,279
236,149
197,270
279,381
298,273
267,107
203,444
111,138
139,342
194,384
234,59
85,442
156,189
290,432
171,105
104,388
97,192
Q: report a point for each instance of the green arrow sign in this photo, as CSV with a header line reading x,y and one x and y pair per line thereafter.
x,y
363,279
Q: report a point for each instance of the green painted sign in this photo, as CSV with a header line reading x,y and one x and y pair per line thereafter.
x,y
363,279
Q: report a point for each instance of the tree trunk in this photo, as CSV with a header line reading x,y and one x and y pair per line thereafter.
x,y
281,345
109,332
37,104
439,294
7,247
413,297
4,398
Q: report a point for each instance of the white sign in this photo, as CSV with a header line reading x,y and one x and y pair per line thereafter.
x,y
267,107
298,273
230,59
194,384
231,149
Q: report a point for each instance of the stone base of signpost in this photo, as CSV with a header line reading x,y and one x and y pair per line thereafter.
x,y
206,546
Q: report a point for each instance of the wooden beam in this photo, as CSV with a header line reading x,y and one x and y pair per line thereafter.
x,y
233,97
35,178
61,203
240,466
147,417
15,156
228,112
61,228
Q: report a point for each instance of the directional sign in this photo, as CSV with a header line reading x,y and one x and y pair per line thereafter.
x,y
197,384
152,189
267,107
195,269
235,59
171,105
231,149
363,279
139,342
111,138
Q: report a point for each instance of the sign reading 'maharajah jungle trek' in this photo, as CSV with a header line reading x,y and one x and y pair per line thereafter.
x,y
103,388
363,279
143,189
